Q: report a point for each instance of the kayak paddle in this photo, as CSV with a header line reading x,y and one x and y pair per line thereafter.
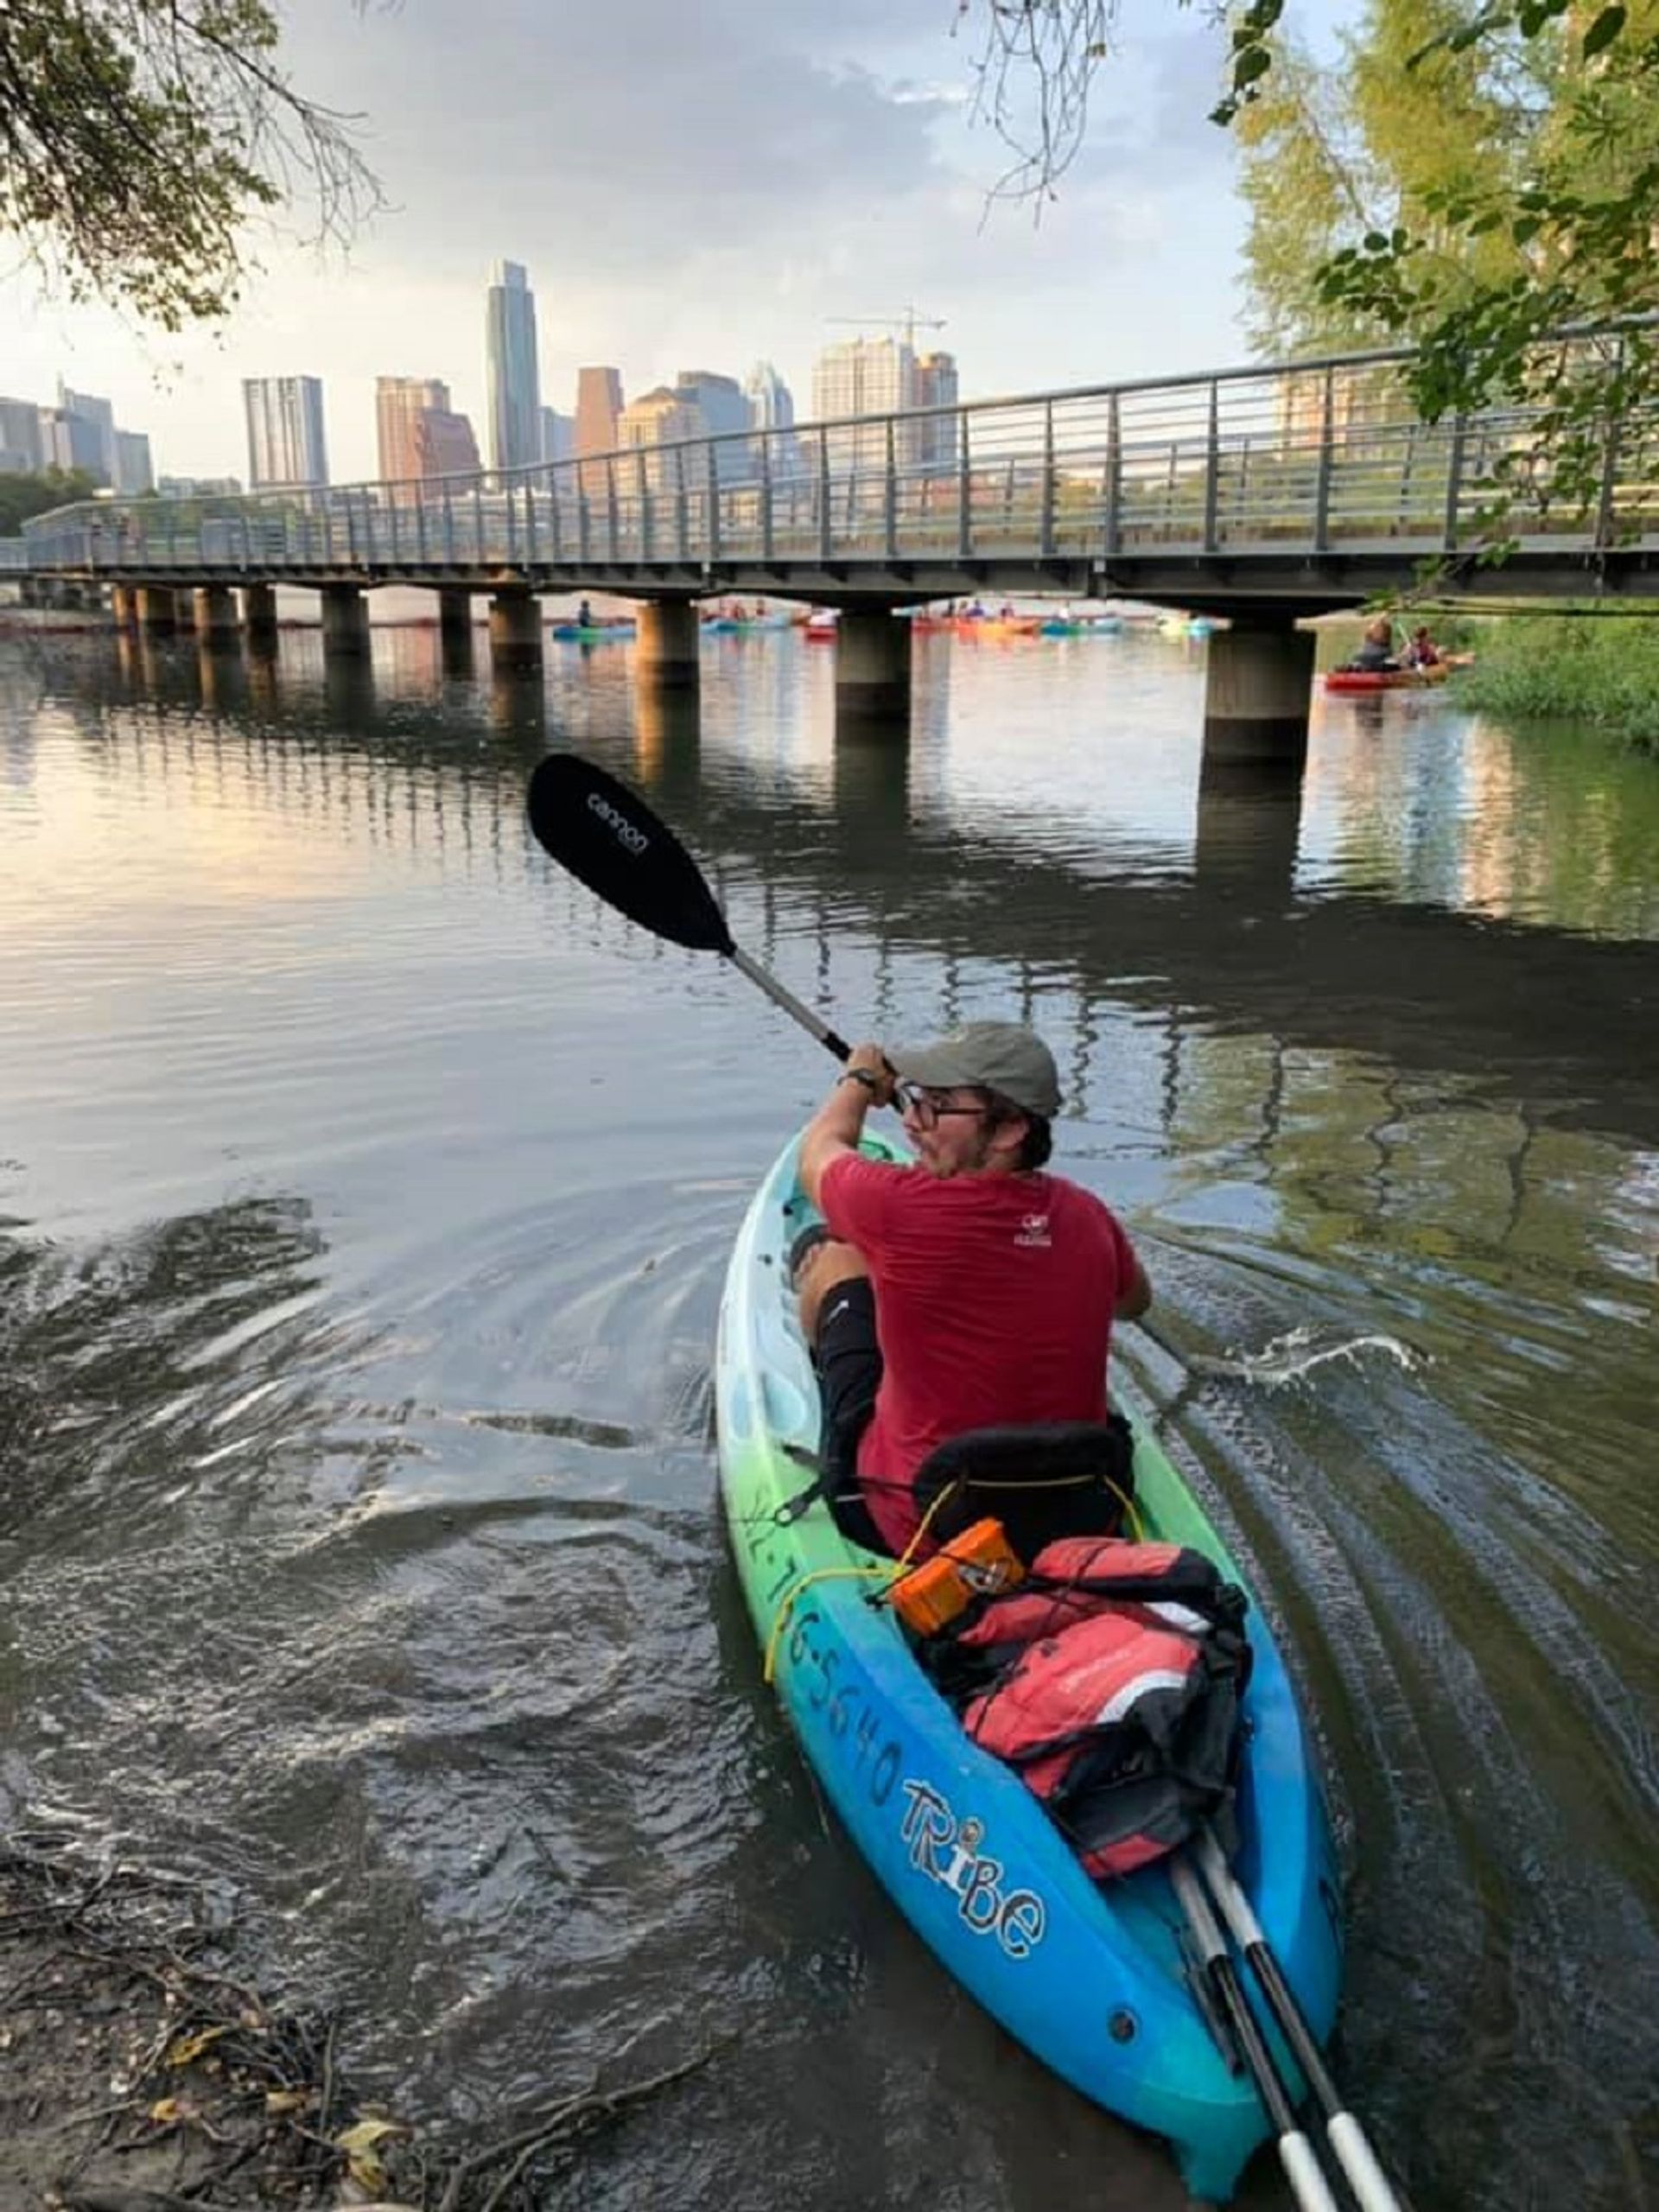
x,y
610,840
1302,2170
1348,2140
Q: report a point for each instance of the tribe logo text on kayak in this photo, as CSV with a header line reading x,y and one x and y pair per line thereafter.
x,y
947,1851
634,840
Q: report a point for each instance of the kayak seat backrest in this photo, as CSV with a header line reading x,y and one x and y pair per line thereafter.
x,y
1061,1478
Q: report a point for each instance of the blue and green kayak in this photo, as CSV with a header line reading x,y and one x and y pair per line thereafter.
x,y
1092,1977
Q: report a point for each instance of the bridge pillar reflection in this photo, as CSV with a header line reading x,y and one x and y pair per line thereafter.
x,y
872,670
1249,824
344,620
455,631
515,630
259,613
665,649
1259,681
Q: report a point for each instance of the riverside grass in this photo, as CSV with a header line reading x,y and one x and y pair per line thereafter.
x,y
1591,670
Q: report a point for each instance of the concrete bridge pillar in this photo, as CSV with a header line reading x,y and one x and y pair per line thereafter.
x,y
345,620
29,592
1257,694
515,630
665,646
121,605
872,665
158,611
215,608
259,613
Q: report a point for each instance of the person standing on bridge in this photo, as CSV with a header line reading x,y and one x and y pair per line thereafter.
x,y
973,1290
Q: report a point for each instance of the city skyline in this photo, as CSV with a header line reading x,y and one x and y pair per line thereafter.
x,y
779,173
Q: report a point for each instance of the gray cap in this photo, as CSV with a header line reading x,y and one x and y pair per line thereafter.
x,y
997,1055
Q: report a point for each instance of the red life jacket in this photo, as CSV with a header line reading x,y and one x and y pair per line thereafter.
x,y
1119,1701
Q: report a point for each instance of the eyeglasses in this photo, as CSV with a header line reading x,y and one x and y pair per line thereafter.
x,y
930,1107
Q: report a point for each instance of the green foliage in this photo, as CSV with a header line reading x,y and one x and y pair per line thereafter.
x,y
1599,672
1473,179
24,496
139,137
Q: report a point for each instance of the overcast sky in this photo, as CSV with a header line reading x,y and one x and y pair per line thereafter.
x,y
691,184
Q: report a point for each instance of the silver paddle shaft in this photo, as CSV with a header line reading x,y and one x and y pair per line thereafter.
x,y
786,999
1348,2139
1307,2183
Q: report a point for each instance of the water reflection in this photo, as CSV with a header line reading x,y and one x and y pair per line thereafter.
x,y
329,1103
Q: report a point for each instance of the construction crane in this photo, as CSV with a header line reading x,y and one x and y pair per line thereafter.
x,y
910,322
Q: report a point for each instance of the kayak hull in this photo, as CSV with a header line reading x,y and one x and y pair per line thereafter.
x,y
1087,1977
1359,680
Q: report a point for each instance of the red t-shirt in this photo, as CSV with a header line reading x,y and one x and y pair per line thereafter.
x,y
993,1300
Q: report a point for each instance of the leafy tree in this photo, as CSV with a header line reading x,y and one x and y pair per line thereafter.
x,y
139,137
24,496
1472,176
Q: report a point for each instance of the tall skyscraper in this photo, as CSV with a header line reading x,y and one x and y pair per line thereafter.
x,y
285,440
97,448
865,376
772,407
20,451
938,437
133,473
661,417
399,403
71,441
725,413
515,386
444,444
598,405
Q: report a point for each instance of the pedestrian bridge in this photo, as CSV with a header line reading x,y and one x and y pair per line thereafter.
x,y
1299,489
1261,495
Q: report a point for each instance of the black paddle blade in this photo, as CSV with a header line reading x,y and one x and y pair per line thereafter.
x,y
610,840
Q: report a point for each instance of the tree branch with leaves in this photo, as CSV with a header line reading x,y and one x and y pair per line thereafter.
x,y
138,138
1469,176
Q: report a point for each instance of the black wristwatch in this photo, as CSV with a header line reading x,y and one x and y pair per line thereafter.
x,y
871,1083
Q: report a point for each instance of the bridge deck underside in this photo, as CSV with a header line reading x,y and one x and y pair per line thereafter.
x,y
1231,581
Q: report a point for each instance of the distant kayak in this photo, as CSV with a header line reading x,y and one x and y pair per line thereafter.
x,y
592,634
1385,679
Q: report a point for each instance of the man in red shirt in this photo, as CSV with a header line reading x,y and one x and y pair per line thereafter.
x,y
970,1291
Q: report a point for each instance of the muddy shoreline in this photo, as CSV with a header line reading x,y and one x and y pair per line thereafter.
x,y
143,2070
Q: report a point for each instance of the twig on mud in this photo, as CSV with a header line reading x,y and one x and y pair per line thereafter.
x,y
206,2059
562,2124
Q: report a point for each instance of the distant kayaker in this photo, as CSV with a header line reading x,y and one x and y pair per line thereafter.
x,y
1376,654
970,1291
585,616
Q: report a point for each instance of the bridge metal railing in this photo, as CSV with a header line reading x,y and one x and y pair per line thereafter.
x,y
1312,458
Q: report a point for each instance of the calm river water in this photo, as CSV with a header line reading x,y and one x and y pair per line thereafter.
x,y
365,1194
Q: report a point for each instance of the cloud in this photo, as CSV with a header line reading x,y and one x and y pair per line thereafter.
x,y
695,183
